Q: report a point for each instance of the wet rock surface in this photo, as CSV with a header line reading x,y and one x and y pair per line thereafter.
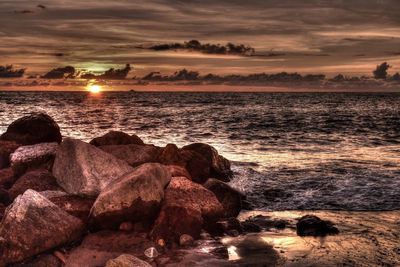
x,y
311,225
127,260
116,138
83,169
230,198
133,154
33,224
38,180
33,129
6,148
220,166
186,206
135,196
33,157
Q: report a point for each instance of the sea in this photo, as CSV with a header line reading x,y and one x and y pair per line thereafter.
x,y
289,151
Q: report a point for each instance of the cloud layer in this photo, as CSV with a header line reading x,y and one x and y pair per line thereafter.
x,y
305,36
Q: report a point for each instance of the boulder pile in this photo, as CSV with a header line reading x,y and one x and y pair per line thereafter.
x,y
62,197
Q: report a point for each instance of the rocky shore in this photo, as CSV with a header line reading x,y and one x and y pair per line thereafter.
x,y
117,201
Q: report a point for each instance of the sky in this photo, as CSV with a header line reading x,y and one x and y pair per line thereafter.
x,y
315,36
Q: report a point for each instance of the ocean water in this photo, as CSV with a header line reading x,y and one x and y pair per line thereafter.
x,y
289,150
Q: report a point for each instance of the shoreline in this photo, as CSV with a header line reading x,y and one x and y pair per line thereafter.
x,y
77,203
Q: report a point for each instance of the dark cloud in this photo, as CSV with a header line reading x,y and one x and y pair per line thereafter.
x,y
197,46
111,74
67,72
9,72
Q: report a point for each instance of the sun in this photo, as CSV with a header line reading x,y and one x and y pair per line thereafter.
x,y
94,88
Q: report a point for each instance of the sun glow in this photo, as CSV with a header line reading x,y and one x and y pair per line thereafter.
x,y
94,88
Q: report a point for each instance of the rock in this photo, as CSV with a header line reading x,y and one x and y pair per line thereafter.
x,y
250,227
38,180
126,226
33,129
45,260
229,226
186,240
136,196
33,224
178,171
33,157
7,177
186,207
230,198
134,155
6,148
127,260
151,253
2,210
196,165
4,196
83,169
272,194
170,155
264,222
220,167
76,206
97,248
116,138
310,225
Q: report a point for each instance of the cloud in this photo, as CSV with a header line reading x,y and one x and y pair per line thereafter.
x,y
197,46
61,73
111,74
99,34
9,72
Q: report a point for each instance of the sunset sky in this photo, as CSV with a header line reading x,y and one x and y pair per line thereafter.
x,y
315,36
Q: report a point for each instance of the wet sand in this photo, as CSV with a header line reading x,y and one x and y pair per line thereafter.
x,y
365,239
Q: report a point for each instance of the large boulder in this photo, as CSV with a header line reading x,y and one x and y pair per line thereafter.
x,y
99,247
171,155
33,157
219,166
179,171
135,196
38,180
33,224
83,169
134,155
75,205
127,260
6,148
33,129
187,206
230,198
196,165
311,225
116,138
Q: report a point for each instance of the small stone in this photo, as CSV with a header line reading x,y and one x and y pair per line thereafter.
x,y
151,253
310,225
126,260
186,240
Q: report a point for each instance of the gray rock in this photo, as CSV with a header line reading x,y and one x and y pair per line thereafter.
x,y
126,260
83,169
33,224
135,155
32,157
136,196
